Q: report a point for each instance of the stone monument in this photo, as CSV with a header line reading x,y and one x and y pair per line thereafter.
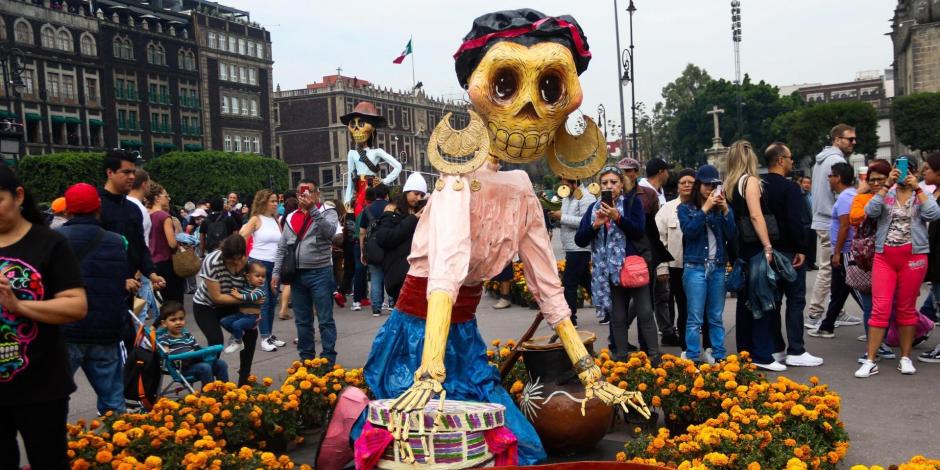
x,y
717,154
915,33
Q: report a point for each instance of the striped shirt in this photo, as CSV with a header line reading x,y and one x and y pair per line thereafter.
x,y
213,269
175,345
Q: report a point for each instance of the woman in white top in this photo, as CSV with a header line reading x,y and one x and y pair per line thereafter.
x,y
265,233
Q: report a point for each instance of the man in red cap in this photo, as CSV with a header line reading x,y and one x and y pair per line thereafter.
x,y
93,343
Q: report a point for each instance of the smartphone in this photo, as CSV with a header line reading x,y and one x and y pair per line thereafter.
x,y
718,190
304,189
607,197
901,165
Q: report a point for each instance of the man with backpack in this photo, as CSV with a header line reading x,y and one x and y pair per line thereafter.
x,y
94,342
371,252
218,225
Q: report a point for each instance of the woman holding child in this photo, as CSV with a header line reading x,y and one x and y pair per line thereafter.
x,y
222,271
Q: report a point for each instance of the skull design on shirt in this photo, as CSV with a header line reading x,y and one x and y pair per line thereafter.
x,y
17,332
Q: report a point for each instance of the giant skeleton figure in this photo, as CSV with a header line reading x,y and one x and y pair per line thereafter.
x,y
363,161
521,70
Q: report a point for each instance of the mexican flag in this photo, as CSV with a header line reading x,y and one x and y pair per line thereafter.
x,y
404,53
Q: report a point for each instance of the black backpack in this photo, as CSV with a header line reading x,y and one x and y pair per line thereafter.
x,y
373,252
142,372
216,231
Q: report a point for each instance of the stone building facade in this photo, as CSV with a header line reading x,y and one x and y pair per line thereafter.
x,y
150,76
310,138
916,36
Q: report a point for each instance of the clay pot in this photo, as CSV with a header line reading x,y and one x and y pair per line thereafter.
x,y
554,404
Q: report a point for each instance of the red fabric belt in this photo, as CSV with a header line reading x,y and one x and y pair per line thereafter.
x,y
413,300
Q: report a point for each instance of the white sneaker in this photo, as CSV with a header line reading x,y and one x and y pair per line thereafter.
x,y
386,306
273,340
356,306
847,320
804,360
867,370
773,366
906,367
267,345
863,338
682,356
812,323
779,356
501,304
234,346
707,356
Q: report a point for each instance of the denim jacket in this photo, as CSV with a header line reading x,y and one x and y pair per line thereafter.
x,y
692,221
879,208
762,282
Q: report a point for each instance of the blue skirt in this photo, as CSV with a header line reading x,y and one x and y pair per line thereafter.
x,y
396,355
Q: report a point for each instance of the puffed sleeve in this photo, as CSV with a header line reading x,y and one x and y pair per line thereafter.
x,y
857,211
393,162
538,261
448,245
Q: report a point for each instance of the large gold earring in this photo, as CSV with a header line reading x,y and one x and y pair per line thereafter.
x,y
456,152
577,157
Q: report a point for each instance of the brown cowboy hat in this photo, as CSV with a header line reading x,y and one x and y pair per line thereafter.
x,y
366,110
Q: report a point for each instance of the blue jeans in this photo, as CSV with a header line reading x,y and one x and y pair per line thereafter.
x,y
377,286
796,302
270,300
205,372
151,310
238,323
704,286
866,308
314,288
104,370
360,283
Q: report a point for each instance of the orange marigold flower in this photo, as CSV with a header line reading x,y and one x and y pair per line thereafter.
x,y
103,456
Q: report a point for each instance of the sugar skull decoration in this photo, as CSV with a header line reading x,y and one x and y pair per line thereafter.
x,y
363,160
520,69
17,332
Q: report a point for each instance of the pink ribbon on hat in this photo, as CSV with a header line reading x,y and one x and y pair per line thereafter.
x,y
516,32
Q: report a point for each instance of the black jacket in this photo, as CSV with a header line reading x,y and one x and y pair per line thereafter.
x,y
394,233
123,217
104,273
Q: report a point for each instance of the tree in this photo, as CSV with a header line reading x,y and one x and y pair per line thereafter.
x,y
693,131
806,130
917,120
201,176
48,176
677,97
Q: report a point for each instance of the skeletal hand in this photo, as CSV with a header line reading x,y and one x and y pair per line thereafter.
x,y
413,400
613,396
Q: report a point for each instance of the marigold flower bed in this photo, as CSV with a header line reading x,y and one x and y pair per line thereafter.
x,y
221,427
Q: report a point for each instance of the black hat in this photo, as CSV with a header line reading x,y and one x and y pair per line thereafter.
x,y
524,26
655,165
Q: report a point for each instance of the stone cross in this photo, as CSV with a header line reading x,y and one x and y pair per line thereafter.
x,y
715,112
339,71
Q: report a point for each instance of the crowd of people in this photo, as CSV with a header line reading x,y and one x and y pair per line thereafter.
x,y
664,250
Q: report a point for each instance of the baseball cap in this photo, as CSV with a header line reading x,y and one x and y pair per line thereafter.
x,y
708,174
200,212
656,165
628,164
58,206
82,198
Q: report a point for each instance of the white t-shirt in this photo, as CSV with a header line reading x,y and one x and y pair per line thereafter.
x,y
146,215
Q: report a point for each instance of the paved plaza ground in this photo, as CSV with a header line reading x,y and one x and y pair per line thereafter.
x,y
889,417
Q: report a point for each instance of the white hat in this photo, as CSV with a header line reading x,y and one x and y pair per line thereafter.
x,y
198,213
415,182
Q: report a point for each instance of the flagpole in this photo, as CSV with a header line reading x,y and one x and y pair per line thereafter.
x,y
410,41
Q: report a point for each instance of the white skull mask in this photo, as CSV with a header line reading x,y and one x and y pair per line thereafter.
x,y
360,129
524,94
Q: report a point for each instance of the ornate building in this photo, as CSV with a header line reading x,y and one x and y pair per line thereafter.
x,y
916,36
152,76
310,138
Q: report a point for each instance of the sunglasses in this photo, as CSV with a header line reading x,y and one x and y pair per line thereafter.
x,y
850,139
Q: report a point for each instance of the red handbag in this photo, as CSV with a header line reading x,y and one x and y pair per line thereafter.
x,y
634,272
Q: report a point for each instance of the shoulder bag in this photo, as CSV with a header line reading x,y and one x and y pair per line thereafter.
x,y
185,261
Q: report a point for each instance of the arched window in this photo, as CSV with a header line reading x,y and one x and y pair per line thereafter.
x,y
181,60
47,37
88,45
23,32
127,49
161,55
64,40
3,29
151,53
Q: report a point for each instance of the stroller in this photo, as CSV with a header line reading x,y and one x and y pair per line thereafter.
x,y
148,362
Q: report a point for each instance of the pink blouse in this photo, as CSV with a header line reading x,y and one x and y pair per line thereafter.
x,y
466,237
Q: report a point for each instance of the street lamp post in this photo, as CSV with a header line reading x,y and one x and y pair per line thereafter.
x,y
632,9
602,119
13,75
736,38
623,118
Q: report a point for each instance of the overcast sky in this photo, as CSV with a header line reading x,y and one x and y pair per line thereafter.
x,y
784,41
